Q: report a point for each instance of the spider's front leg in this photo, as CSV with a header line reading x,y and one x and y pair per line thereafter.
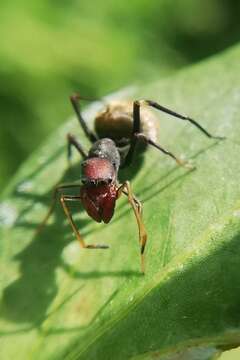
x,y
66,198
125,188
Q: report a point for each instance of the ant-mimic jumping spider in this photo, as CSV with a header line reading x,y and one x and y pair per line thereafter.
x,y
118,129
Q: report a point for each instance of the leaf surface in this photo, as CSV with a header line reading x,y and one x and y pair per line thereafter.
x,y
61,302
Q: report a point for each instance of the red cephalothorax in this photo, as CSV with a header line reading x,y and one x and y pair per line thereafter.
x,y
99,201
97,169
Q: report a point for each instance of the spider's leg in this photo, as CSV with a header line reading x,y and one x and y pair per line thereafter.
x,y
125,188
76,105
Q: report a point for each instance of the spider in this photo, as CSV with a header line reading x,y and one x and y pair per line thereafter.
x,y
118,129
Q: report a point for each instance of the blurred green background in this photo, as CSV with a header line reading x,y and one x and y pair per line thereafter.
x,y
50,49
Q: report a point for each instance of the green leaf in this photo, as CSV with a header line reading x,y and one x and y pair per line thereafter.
x,y
62,302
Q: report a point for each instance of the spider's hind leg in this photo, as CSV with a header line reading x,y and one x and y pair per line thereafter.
x,y
75,100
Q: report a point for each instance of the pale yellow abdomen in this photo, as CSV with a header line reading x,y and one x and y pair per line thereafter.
x,y
116,121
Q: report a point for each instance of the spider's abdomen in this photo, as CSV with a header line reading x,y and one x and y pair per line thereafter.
x,y
116,121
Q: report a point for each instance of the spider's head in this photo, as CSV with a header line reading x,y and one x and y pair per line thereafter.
x,y
99,189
